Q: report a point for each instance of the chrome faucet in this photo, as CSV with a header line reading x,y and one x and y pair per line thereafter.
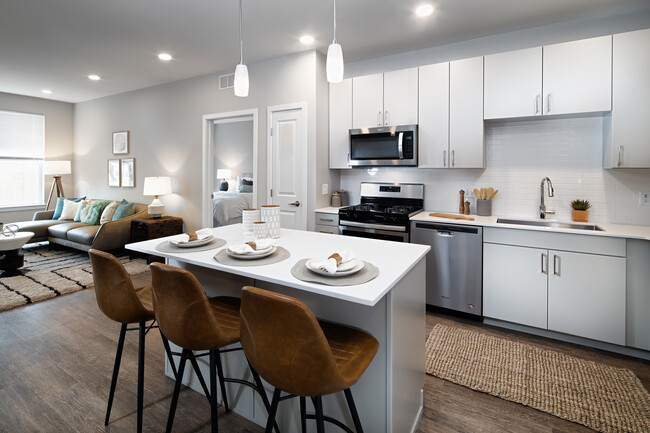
x,y
542,207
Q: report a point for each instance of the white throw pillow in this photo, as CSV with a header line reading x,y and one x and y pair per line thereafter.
x,y
69,210
109,210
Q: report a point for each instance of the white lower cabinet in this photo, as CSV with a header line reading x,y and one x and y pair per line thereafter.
x,y
327,223
586,296
579,293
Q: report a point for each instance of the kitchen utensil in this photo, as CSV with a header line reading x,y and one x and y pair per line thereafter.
x,y
490,190
493,194
483,193
450,216
477,193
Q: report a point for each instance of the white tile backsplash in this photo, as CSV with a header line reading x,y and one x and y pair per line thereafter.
x,y
518,155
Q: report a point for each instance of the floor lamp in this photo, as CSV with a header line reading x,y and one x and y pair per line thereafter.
x,y
56,169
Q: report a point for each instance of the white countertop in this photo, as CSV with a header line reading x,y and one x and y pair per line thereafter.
x,y
329,209
394,260
610,230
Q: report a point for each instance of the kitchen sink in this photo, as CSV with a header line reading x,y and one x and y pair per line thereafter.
x,y
551,224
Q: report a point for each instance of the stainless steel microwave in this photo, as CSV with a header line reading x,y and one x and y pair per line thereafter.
x,y
384,146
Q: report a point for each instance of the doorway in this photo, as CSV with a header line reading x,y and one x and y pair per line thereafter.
x,y
230,143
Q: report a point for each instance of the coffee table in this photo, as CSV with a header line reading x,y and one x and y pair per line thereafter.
x,y
10,258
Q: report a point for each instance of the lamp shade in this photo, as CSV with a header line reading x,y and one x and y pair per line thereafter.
x,y
334,65
241,80
157,185
223,173
51,168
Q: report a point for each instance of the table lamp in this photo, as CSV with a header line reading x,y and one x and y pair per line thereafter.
x,y
157,186
56,169
223,174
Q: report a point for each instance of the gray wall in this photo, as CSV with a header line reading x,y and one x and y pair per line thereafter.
x,y
165,124
58,141
233,149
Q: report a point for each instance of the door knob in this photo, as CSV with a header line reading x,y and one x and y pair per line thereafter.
x,y
295,203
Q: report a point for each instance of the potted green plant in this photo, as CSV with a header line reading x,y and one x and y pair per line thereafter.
x,y
580,210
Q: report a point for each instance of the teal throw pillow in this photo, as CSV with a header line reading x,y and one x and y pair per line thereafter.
x,y
59,205
95,210
125,209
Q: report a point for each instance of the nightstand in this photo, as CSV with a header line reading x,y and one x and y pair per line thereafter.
x,y
144,229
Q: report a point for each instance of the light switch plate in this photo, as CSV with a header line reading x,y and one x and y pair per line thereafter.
x,y
325,189
644,198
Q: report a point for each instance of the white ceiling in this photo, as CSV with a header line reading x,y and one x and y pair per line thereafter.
x,y
55,44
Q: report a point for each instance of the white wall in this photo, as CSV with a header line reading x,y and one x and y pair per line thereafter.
x,y
58,141
518,155
166,131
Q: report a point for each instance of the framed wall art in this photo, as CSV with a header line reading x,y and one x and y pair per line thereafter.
x,y
113,172
121,143
128,172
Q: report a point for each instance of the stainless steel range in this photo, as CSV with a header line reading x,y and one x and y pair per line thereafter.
x,y
384,211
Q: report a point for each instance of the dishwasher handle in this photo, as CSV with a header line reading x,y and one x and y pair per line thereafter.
x,y
449,228
446,233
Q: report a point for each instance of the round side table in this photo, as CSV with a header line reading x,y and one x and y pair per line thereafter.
x,y
10,258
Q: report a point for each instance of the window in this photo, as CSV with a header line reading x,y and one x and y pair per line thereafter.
x,y
22,148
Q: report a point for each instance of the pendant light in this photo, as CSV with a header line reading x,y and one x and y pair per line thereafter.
x,y
241,71
334,63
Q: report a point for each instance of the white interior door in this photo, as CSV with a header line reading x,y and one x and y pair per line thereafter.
x,y
287,174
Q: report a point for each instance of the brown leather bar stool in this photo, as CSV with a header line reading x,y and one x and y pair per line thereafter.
x,y
118,299
302,356
195,323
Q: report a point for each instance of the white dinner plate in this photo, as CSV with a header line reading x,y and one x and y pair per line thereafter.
x,y
251,253
191,244
358,265
254,255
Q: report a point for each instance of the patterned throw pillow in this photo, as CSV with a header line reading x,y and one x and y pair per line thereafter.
x,y
95,210
69,210
80,212
124,210
109,211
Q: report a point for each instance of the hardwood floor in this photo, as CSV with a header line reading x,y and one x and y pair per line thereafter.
x,y
56,359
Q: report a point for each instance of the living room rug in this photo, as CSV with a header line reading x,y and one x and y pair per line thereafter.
x,y
603,398
49,272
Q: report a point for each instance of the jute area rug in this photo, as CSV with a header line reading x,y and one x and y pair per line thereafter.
x,y
603,398
50,272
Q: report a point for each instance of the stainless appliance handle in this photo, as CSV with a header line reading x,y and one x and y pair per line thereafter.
x,y
400,145
445,234
373,226
400,235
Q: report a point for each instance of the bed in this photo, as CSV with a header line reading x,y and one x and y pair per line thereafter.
x,y
227,207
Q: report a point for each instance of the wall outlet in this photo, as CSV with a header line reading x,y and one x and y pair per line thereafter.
x,y
325,189
644,198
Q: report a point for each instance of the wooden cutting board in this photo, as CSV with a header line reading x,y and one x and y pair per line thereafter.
x,y
451,216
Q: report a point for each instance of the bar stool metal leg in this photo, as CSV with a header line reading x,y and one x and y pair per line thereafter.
x,y
214,355
303,415
274,408
142,333
320,421
224,396
353,410
262,393
197,370
169,353
177,389
116,371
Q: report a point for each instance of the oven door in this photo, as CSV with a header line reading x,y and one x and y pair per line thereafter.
x,y
374,233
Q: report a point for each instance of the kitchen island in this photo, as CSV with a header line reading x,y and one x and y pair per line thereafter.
x,y
391,307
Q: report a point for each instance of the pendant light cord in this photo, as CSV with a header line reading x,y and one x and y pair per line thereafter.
x,y
334,41
241,40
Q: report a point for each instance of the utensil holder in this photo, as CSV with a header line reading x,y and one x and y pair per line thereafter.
x,y
484,207
271,215
249,216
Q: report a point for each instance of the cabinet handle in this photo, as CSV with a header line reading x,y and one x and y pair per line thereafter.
x,y
620,148
453,158
444,158
544,261
537,103
379,118
327,219
556,265
548,103
386,118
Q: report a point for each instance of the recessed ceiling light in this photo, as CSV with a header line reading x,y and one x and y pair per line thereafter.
x,y
94,77
307,39
165,57
46,91
424,10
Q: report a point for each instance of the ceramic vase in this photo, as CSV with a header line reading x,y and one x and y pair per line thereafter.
x,y
249,216
271,215
260,229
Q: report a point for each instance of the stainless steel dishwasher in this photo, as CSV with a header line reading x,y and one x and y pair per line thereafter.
x,y
454,265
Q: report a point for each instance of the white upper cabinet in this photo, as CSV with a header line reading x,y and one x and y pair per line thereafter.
x,y
340,111
572,77
385,99
433,109
368,101
401,97
513,84
466,113
578,76
628,129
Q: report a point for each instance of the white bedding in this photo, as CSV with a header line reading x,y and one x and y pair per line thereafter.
x,y
227,207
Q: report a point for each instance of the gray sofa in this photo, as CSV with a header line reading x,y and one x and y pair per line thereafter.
x,y
108,236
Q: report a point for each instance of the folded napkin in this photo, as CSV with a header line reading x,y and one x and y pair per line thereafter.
x,y
251,247
200,234
332,263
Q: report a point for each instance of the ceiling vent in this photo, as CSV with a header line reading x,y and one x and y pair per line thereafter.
x,y
226,81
